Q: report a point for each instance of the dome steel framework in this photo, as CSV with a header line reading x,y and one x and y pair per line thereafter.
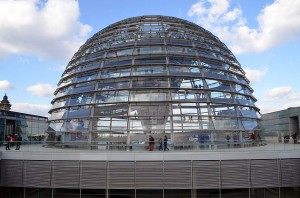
x,y
152,75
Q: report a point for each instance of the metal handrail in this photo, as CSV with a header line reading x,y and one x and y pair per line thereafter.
x,y
220,146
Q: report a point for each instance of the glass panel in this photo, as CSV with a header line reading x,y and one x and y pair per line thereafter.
x,y
178,193
122,193
78,112
66,82
187,83
2,134
140,193
189,109
235,193
149,50
60,103
187,95
114,73
149,82
247,112
122,52
38,192
90,66
221,97
195,70
243,100
112,96
64,91
265,192
93,193
111,85
72,71
149,95
62,193
181,50
94,56
206,54
2,121
225,123
117,62
218,85
119,124
111,110
86,87
86,77
152,60
55,126
57,114
81,99
179,71
289,192
151,117
237,78
183,61
208,193
223,110
101,124
151,41
235,70
242,89
12,192
75,125
218,74
249,124
177,42
149,70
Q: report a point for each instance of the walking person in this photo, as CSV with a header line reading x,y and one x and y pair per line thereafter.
x,y
160,144
7,142
19,141
166,143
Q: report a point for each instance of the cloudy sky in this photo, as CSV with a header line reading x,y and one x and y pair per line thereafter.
x,y
39,37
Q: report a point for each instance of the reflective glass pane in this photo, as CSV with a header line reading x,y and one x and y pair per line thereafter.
x,y
149,82
112,96
149,95
111,85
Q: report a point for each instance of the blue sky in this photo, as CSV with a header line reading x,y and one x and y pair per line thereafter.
x,y
39,37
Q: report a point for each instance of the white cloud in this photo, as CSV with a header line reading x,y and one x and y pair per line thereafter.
x,y
275,26
35,109
278,107
268,109
278,92
6,85
283,95
57,68
50,30
291,104
279,98
43,90
254,75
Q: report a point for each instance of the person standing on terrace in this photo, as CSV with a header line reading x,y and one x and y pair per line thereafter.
x,y
166,143
151,143
19,141
7,142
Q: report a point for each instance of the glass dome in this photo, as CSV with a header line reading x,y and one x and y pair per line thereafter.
x,y
154,75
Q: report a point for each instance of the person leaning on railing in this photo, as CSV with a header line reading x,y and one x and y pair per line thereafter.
x,y
295,137
253,138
